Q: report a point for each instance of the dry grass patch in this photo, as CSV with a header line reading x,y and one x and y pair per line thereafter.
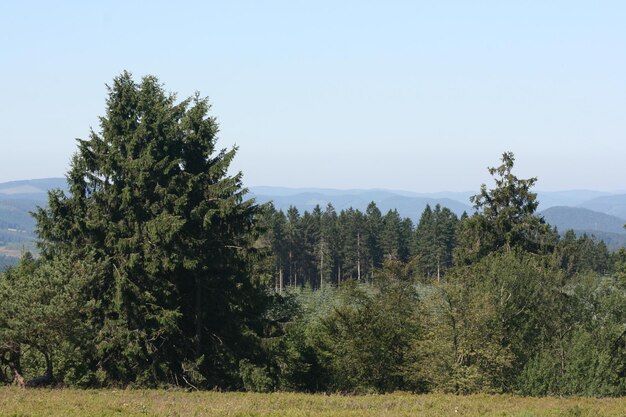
x,y
18,402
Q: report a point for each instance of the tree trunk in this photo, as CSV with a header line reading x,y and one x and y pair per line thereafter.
x,y
338,275
18,379
14,363
358,256
290,268
321,265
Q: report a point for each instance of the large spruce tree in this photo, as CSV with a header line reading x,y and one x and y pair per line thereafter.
x,y
152,203
505,218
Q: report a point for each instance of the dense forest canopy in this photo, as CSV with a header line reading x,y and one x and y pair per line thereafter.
x,y
155,271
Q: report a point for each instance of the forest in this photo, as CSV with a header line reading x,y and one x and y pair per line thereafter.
x,y
154,270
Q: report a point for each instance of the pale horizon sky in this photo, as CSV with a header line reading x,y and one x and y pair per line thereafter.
x,y
409,95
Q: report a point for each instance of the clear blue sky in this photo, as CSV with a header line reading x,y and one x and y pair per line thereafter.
x,y
421,96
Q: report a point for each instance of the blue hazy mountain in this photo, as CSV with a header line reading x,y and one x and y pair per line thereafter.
x,y
604,216
17,200
602,226
614,205
570,198
31,189
578,218
408,204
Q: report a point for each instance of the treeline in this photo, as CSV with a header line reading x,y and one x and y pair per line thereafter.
x,y
493,302
326,247
156,272
323,247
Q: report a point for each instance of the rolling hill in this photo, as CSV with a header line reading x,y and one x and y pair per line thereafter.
x,y
614,205
578,218
584,211
36,190
407,206
602,226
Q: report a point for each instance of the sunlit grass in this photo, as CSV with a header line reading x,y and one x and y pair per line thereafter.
x,y
20,402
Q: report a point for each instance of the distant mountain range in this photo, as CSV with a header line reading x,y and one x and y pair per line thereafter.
x,y
585,211
579,218
594,213
407,205
602,226
36,190
610,204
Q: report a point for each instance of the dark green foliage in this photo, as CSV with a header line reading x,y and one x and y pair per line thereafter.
x,y
529,300
42,319
504,219
515,314
589,358
255,377
582,254
463,351
435,239
152,201
295,355
329,247
366,340
396,237
378,243
155,272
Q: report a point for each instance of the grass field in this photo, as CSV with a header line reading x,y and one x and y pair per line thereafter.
x,y
19,402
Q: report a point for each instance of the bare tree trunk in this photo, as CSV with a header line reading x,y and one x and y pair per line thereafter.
x,y
280,280
358,256
438,270
561,355
18,379
321,264
14,363
290,268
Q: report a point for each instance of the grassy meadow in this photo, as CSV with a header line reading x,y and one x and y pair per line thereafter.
x,y
19,402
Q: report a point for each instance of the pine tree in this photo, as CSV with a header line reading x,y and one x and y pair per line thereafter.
x,y
352,227
373,238
151,200
435,240
328,245
504,218
294,245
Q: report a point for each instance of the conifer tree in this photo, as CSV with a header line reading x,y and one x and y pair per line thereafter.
x,y
329,245
152,202
504,218
374,221
435,240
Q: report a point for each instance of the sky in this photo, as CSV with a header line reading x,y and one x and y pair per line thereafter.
x,y
413,95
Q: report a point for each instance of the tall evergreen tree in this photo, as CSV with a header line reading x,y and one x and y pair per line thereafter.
x,y
391,236
435,240
373,239
294,245
151,200
310,253
354,260
505,217
328,246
